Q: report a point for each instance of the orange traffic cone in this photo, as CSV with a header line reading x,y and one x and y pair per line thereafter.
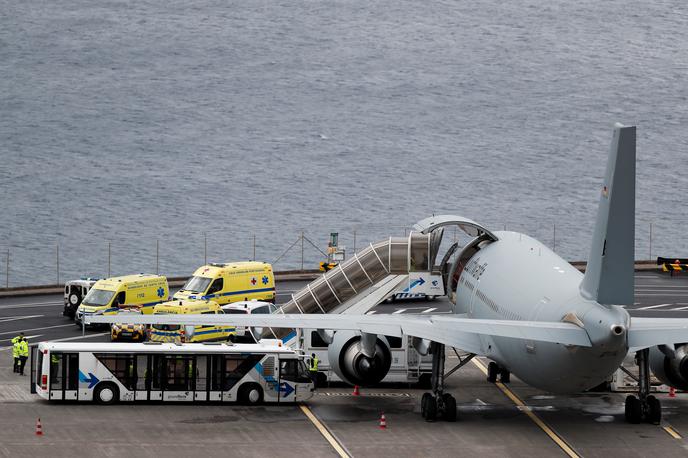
x,y
39,428
356,391
383,421
672,392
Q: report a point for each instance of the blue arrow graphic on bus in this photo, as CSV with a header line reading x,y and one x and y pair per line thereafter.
x,y
286,388
91,379
415,283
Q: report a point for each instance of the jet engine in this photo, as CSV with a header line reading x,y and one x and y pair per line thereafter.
x,y
670,365
347,357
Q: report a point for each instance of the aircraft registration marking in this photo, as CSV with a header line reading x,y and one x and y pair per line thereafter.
x,y
529,412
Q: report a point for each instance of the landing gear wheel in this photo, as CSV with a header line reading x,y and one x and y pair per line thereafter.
x,y
492,371
654,410
424,401
504,376
431,409
449,407
633,409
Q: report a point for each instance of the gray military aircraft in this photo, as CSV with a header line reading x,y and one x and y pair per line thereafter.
x,y
521,305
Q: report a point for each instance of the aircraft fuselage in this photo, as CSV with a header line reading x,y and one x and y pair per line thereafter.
x,y
519,278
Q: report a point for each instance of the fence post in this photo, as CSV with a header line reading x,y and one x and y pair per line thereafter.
x,y
254,246
354,240
554,236
650,240
7,270
57,262
301,250
109,259
157,257
205,248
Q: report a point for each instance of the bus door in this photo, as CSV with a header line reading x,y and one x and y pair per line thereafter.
x,y
292,379
154,382
202,384
142,377
64,376
178,378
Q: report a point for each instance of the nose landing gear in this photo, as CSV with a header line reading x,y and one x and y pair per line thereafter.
x,y
645,407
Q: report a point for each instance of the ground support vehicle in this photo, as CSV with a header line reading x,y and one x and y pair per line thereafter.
x,y
123,372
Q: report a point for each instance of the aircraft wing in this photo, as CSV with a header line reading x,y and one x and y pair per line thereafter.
x,y
463,333
648,332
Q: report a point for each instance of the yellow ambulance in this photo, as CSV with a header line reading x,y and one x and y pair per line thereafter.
x,y
107,296
230,282
177,333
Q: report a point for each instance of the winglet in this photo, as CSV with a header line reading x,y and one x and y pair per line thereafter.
x,y
609,274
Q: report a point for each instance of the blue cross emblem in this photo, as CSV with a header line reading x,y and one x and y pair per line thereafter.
x,y
265,279
161,291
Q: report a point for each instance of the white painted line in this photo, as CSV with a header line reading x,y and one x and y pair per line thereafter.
x,y
15,318
681,308
649,307
398,311
429,310
370,312
37,329
88,336
30,304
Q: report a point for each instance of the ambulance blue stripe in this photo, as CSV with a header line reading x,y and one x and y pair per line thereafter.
x,y
196,333
234,293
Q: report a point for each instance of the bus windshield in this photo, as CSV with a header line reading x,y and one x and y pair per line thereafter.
x,y
197,284
98,297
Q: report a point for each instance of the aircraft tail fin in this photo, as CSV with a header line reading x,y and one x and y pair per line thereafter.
x,y
609,276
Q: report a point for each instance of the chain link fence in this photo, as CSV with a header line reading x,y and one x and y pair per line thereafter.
x,y
61,258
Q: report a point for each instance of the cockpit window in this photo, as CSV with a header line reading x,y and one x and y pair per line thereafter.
x,y
197,284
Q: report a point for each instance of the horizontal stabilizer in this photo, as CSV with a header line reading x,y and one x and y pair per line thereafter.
x,y
648,332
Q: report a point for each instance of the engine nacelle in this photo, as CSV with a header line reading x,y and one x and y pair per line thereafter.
x,y
349,362
671,367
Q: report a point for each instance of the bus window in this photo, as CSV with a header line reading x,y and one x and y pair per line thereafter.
x,y
142,372
229,369
55,371
293,370
394,342
201,373
72,361
317,341
178,373
121,366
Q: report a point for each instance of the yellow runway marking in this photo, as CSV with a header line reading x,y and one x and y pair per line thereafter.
x,y
325,432
672,432
525,409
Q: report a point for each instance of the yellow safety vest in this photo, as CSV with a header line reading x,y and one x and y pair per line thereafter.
x,y
314,364
23,348
15,349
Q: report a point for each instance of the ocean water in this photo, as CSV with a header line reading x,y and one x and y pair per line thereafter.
x,y
198,126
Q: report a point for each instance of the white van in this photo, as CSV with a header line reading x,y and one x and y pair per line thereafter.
x,y
74,293
247,308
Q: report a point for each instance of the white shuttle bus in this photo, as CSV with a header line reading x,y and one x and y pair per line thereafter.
x,y
220,372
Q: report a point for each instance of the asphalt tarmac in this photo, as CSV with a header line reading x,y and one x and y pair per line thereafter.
x,y
494,420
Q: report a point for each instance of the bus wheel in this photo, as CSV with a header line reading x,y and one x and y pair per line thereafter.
x,y
106,393
250,394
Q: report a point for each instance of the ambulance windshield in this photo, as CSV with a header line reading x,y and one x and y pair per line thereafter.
x,y
197,284
98,297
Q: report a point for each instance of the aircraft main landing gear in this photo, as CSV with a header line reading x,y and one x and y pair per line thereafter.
x,y
438,405
645,407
